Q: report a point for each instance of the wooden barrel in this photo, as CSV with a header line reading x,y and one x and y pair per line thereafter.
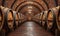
x,y
4,26
19,18
58,20
19,21
50,20
10,19
1,19
57,31
22,17
57,14
43,18
37,17
40,18
16,16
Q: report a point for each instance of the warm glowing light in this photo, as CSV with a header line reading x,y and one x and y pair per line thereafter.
x,y
30,2
30,7
29,12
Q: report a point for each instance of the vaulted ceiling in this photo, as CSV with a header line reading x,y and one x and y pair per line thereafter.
x,y
41,5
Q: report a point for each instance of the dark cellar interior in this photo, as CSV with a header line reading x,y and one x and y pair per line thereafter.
x,y
29,17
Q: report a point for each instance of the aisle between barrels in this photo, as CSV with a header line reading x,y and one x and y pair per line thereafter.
x,y
30,29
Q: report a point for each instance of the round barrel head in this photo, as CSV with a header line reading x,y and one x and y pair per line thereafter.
x,y
50,19
10,20
10,16
50,16
43,19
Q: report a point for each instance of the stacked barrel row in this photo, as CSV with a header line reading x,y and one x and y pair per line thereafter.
x,y
9,20
50,20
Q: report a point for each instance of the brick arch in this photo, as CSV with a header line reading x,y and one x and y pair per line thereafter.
x,y
25,3
46,4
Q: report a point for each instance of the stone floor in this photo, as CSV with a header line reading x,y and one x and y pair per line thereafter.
x,y
30,29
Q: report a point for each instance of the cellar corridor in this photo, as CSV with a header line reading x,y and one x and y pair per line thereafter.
x,y
30,29
29,17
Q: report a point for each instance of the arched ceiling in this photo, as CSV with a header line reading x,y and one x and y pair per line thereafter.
x,y
30,8
41,4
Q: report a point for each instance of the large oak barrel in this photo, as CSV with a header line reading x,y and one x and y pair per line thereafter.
x,y
22,17
9,18
37,17
57,14
19,18
57,31
50,20
4,25
43,18
1,19
40,18
16,17
58,20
